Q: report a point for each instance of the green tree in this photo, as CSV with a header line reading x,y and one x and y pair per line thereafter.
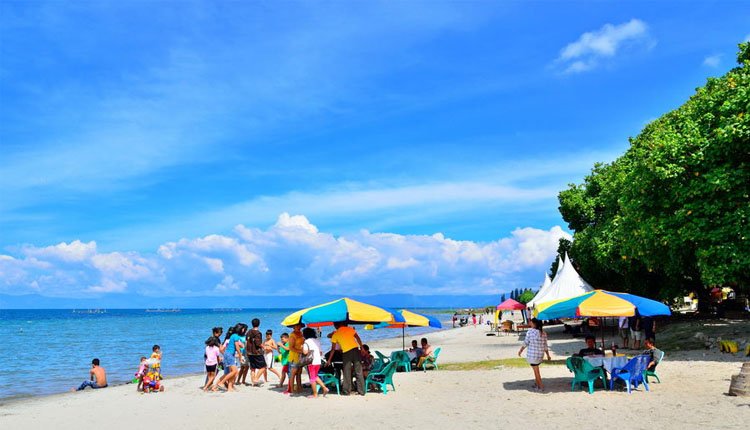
x,y
526,296
671,214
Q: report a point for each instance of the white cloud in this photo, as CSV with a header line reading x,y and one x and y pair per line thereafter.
x,y
290,257
712,60
593,47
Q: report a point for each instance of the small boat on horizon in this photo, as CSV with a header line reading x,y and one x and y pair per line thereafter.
x,y
89,311
163,310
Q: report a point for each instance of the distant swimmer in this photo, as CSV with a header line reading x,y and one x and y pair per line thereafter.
x,y
97,377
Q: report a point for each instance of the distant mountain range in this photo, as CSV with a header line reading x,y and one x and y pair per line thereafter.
x,y
33,301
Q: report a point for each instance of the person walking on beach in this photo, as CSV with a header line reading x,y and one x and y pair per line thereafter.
x,y
213,357
295,349
312,345
97,377
232,345
255,353
350,343
536,342
283,348
269,346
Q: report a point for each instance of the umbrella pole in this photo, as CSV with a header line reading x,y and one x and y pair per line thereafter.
x,y
403,338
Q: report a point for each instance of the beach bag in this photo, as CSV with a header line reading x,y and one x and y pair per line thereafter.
x,y
306,358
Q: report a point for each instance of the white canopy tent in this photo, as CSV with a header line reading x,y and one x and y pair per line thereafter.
x,y
542,291
567,283
546,286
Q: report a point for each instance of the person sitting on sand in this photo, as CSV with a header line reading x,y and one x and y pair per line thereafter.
x,y
653,352
426,352
97,377
590,349
536,342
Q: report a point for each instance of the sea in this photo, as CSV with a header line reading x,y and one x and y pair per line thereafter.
x,y
49,351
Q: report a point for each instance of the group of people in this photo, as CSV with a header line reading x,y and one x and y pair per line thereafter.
x,y
636,328
148,376
243,351
537,348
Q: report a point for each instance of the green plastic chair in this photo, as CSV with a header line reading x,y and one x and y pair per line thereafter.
x,y
401,358
431,360
329,380
648,373
382,357
382,379
584,372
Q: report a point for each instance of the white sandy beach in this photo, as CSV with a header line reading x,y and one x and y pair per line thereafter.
x,y
692,395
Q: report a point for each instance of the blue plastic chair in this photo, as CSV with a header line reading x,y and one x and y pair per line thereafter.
x,y
632,373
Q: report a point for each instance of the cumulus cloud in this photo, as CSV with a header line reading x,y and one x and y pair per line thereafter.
x,y
291,257
593,47
712,60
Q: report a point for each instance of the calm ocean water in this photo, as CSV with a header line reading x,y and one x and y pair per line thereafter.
x,y
50,351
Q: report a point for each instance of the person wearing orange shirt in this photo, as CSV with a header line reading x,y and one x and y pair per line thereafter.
x,y
349,340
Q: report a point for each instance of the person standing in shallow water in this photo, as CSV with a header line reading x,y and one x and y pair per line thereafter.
x,y
536,342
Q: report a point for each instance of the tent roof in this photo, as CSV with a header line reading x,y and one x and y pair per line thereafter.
x,y
510,305
567,283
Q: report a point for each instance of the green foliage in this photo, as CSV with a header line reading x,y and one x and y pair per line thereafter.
x,y
672,213
526,296
563,247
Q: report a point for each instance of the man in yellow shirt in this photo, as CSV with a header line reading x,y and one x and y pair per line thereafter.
x,y
348,339
295,349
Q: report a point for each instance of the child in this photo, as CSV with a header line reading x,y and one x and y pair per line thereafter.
x,y
269,346
366,359
142,370
312,346
283,349
155,365
213,356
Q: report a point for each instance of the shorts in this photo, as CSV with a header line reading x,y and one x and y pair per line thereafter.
x,y
256,361
313,370
636,335
285,369
535,362
269,359
229,360
293,365
211,368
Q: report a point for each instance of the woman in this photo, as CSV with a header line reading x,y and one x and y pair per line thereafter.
x,y
536,342
312,346
233,343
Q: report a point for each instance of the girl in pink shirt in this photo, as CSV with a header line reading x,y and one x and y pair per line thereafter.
x,y
213,357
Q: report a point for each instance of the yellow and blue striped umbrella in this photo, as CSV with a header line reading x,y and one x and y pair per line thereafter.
x,y
410,319
600,303
342,310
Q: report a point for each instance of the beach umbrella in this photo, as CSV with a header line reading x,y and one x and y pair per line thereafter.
x,y
601,303
341,310
410,319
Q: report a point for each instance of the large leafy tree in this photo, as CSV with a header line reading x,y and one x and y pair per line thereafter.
x,y
672,213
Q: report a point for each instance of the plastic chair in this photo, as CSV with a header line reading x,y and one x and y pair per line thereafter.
x,y
431,360
382,379
401,359
329,380
648,373
377,365
632,373
382,357
584,372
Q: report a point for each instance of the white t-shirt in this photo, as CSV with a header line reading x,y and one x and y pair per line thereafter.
x,y
314,346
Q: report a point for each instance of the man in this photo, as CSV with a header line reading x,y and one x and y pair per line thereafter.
x,y
622,325
426,352
255,353
590,349
648,324
635,330
350,343
416,350
653,352
97,377
296,340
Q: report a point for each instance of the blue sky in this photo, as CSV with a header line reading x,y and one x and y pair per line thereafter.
x,y
367,146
